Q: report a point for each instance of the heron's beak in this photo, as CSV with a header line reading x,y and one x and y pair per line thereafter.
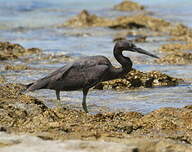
x,y
139,50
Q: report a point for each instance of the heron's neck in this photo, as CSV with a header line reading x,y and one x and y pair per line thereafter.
x,y
124,61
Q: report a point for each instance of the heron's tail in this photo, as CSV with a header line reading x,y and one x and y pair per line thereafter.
x,y
26,88
40,84
28,85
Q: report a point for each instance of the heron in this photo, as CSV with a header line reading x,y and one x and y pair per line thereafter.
x,y
84,73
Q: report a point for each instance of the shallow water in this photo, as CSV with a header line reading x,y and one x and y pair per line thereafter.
x,y
31,24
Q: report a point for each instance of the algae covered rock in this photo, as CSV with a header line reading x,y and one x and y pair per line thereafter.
x,y
168,123
13,51
175,55
12,93
10,90
136,79
141,21
180,32
85,19
20,113
175,47
176,58
63,123
128,6
16,67
16,107
166,128
10,51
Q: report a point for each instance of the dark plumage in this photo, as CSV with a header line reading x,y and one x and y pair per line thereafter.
x,y
86,72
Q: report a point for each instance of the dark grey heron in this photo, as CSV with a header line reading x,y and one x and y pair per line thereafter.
x,y
86,72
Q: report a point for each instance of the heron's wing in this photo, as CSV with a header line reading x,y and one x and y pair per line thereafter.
x,y
91,68
96,73
58,74
87,71
54,76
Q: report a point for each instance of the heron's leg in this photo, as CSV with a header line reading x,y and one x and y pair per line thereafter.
x,y
85,91
58,94
58,98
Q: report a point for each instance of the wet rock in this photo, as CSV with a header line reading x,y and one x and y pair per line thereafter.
x,y
22,113
175,47
16,107
13,51
187,38
161,79
163,27
85,19
136,79
176,58
128,6
12,93
33,50
140,21
64,123
161,128
16,67
188,107
180,32
175,55
10,90
126,24
170,123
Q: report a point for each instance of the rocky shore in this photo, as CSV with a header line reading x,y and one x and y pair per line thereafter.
x,y
27,123
14,51
137,79
165,128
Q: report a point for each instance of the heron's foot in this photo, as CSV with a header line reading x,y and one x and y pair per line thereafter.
x,y
58,103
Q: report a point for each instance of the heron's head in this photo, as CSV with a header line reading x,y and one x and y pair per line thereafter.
x,y
125,45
